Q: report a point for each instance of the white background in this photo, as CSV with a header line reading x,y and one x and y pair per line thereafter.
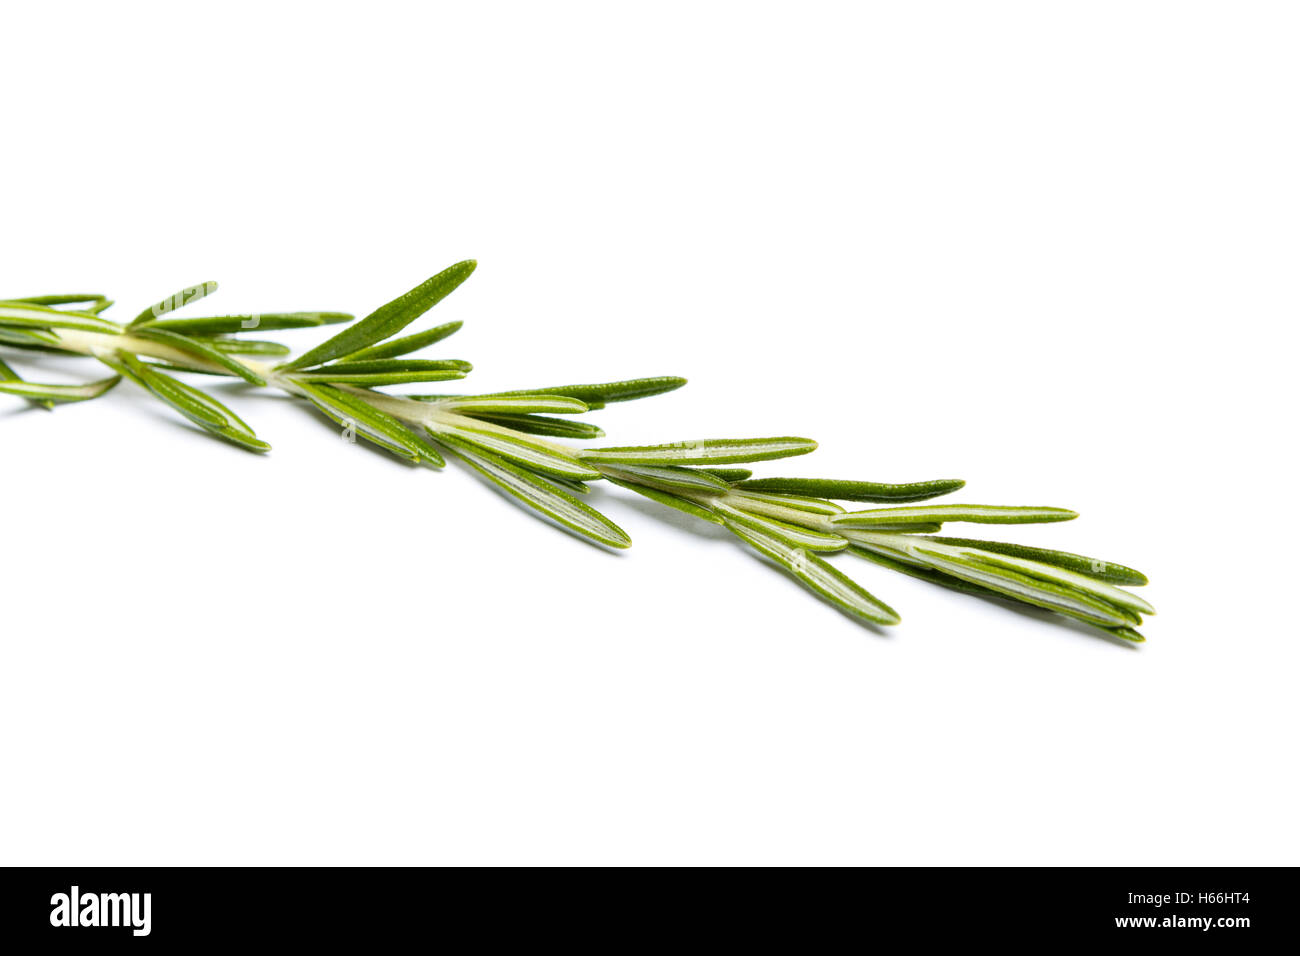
x,y
1048,248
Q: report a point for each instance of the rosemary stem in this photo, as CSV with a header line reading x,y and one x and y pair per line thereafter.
x,y
429,415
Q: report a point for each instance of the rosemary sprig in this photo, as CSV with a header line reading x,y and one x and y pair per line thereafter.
x,y
510,438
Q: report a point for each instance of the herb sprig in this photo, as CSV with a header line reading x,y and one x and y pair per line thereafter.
x,y
510,438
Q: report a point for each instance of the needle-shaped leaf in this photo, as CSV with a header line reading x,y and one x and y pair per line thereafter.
x,y
542,425
669,478
729,474
532,455
903,528
54,393
38,339
258,322
208,413
352,429
8,375
378,427
819,506
373,379
507,405
203,352
670,500
597,396
388,372
1029,589
191,293
538,493
823,578
793,535
95,301
569,484
855,490
45,317
407,344
245,346
928,514
958,584
389,319
703,451
1108,571
926,574
1050,572
199,407
1033,591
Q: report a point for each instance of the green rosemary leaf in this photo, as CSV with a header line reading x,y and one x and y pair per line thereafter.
x,y
792,535
387,372
905,528
855,490
947,580
370,423
202,351
188,369
1107,571
191,293
541,425
957,584
926,574
96,302
664,498
597,396
259,322
1058,575
1026,588
703,452
54,393
244,346
516,448
169,390
521,405
824,579
38,339
369,380
569,484
9,375
729,474
669,478
408,344
978,514
370,366
44,317
538,494
350,427
388,319
199,407
818,506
